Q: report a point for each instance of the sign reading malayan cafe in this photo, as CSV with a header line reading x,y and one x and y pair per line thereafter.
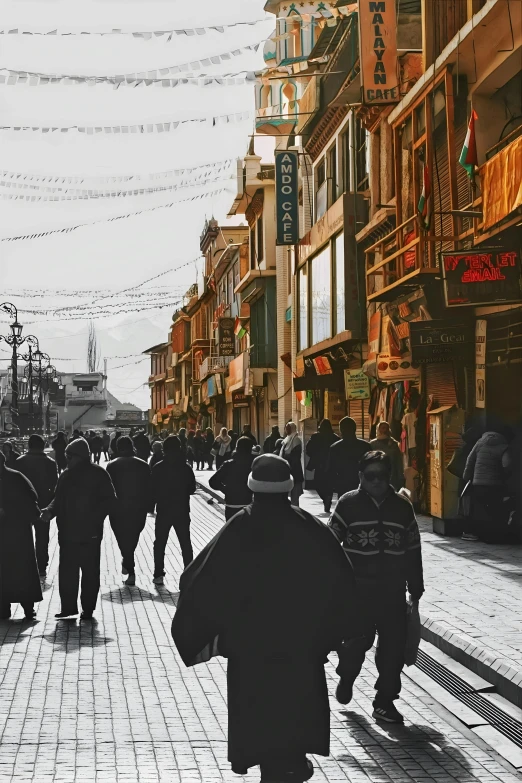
x,y
481,276
378,51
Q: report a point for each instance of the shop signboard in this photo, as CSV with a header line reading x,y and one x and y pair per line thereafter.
x,y
240,400
482,276
227,340
211,386
433,342
356,384
378,52
374,335
236,370
287,207
480,363
393,369
132,417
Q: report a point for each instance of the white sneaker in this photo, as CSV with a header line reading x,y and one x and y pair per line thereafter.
x,y
158,580
131,580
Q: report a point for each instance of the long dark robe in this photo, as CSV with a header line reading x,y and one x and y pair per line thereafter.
x,y
274,593
19,580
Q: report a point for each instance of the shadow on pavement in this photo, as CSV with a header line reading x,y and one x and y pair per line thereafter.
x,y
69,635
416,741
129,595
12,631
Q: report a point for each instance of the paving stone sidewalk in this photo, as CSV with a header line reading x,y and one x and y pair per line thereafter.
x,y
111,701
472,605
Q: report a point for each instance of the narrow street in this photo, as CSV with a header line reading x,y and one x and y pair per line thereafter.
x,y
111,700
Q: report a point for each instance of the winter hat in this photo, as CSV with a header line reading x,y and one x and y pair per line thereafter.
x,y
79,448
270,475
36,442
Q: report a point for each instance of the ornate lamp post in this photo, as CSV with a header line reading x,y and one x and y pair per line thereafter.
x,y
32,342
43,361
15,340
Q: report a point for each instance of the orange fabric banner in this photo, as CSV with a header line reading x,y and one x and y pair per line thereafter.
x,y
502,183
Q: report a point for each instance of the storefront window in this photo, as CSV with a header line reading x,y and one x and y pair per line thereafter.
x,y
340,319
321,296
303,308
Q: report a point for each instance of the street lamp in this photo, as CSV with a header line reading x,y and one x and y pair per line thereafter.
x,y
43,361
32,342
15,339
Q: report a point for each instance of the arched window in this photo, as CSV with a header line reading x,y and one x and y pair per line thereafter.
x,y
294,26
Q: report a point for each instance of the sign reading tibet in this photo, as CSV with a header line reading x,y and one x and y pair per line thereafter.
x,y
287,207
482,276
226,341
433,342
378,37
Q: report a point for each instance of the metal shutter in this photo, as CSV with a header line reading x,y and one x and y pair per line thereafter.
x,y
440,382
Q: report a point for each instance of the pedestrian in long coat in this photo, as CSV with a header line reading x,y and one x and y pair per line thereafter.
x,y
59,445
198,447
132,481
269,445
317,449
344,458
223,447
291,451
248,596
42,472
209,443
84,497
191,453
19,512
232,478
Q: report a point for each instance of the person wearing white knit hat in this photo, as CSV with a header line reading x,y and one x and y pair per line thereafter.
x,y
273,593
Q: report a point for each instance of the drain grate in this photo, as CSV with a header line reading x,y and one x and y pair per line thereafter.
x,y
496,717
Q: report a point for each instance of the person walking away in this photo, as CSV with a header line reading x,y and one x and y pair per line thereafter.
x,y
42,473
182,435
235,437
487,467
59,445
191,454
199,450
113,448
209,444
344,457
19,512
232,478
84,497
76,434
10,454
222,447
376,519
291,451
132,481
142,446
317,449
97,447
248,597
247,433
157,453
106,442
384,442
173,482
270,443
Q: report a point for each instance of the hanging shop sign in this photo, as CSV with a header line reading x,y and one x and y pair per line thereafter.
x,y
240,400
227,340
322,365
433,342
132,417
236,370
481,276
480,363
378,52
357,385
374,335
393,369
334,407
287,208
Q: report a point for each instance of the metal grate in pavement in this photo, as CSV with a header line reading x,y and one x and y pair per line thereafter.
x,y
500,720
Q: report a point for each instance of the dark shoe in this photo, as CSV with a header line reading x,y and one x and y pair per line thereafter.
x,y
30,616
86,616
63,615
131,580
469,537
387,714
344,692
297,775
158,580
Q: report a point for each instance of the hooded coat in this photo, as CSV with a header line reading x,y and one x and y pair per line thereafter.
x,y
249,597
173,482
269,445
488,461
19,580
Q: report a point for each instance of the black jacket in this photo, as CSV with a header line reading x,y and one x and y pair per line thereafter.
x,y
382,541
270,442
41,472
84,497
142,446
343,464
132,481
173,482
232,478
318,450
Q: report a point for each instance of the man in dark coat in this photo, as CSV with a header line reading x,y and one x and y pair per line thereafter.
x,y
247,433
249,597
173,482
132,481
269,445
378,530
43,475
19,582
96,445
84,497
232,478
142,446
318,450
344,457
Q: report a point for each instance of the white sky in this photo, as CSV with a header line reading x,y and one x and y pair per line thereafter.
x,y
113,256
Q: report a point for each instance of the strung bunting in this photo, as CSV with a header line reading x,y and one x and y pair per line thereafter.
x,y
146,35
200,80
69,229
154,127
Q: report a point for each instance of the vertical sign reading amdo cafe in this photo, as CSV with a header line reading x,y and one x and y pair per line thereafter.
x,y
287,208
378,44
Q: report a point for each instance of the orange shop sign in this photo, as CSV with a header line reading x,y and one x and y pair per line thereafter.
x,y
236,373
378,51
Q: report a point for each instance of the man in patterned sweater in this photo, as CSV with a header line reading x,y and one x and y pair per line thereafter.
x,y
378,530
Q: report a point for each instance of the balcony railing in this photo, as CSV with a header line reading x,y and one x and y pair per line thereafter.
x,y
213,364
86,397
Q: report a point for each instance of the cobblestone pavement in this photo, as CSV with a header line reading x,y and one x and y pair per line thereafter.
x,y
111,701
